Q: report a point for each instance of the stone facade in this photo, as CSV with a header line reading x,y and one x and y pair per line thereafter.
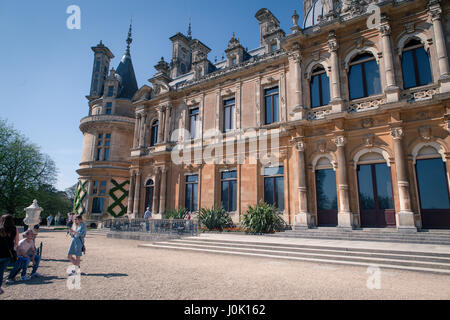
x,y
395,127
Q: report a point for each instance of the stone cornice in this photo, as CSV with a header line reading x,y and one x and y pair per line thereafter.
x,y
90,122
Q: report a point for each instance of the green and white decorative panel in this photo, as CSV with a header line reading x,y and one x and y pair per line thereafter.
x,y
119,195
80,194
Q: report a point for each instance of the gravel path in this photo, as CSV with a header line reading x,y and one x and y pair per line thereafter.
x,y
117,269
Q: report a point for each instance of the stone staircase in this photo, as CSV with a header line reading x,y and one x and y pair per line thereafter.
x,y
438,237
412,260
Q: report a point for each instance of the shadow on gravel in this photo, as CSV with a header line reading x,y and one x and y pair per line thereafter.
x,y
105,275
41,280
55,260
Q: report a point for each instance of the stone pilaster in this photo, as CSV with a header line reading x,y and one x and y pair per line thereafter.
x,y
155,210
304,219
162,192
297,108
405,218
167,125
161,124
392,90
143,131
131,193
137,194
336,98
136,131
345,217
435,13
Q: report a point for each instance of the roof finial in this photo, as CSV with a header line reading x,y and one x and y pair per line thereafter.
x,y
129,39
189,33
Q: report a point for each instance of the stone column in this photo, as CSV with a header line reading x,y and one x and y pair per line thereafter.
x,y
160,124
439,37
297,109
137,195
136,131
143,131
336,99
162,192
345,217
155,193
131,193
167,125
392,91
304,219
405,218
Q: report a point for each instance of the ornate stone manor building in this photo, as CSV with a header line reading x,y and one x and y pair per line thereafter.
x,y
358,93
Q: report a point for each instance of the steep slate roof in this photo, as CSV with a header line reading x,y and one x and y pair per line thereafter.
x,y
128,83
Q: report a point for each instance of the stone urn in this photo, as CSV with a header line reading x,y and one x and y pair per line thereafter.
x,y
33,215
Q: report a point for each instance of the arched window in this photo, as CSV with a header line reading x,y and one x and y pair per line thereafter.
x,y
364,76
320,88
415,65
154,133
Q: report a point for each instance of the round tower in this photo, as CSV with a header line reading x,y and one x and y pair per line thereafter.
x,y
108,131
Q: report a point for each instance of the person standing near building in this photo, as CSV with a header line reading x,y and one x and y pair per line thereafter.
x,y
9,238
69,221
147,217
49,220
78,233
57,218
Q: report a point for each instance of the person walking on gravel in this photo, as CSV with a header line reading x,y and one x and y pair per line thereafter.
x,y
78,233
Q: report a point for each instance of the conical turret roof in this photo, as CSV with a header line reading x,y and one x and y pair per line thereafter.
x,y
128,83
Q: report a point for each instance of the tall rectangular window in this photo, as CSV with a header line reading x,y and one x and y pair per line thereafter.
x,y
271,103
103,145
229,107
274,187
229,190
191,195
194,123
99,191
108,109
110,91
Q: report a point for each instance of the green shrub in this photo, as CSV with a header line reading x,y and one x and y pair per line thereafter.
x,y
176,214
262,219
215,219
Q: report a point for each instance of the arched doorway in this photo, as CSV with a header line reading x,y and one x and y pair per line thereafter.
x,y
326,194
433,189
149,189
376,202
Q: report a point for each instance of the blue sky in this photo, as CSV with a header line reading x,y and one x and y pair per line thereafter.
x,y
46,68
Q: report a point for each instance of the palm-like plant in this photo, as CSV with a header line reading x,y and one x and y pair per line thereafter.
x,y
176,214
263,218
215,218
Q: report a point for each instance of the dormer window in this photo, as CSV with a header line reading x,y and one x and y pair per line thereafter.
x,y
273,47
110,91
234,61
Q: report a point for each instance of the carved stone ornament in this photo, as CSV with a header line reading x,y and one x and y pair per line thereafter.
x,y
340,141
385,29
367,123
369,140
300,145
322,146
397,133
425,133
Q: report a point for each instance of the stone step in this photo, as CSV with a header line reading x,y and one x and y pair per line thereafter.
x,y
343,250
269,251
292,251
443,238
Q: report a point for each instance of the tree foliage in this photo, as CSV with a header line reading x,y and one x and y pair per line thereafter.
x,y
24,171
